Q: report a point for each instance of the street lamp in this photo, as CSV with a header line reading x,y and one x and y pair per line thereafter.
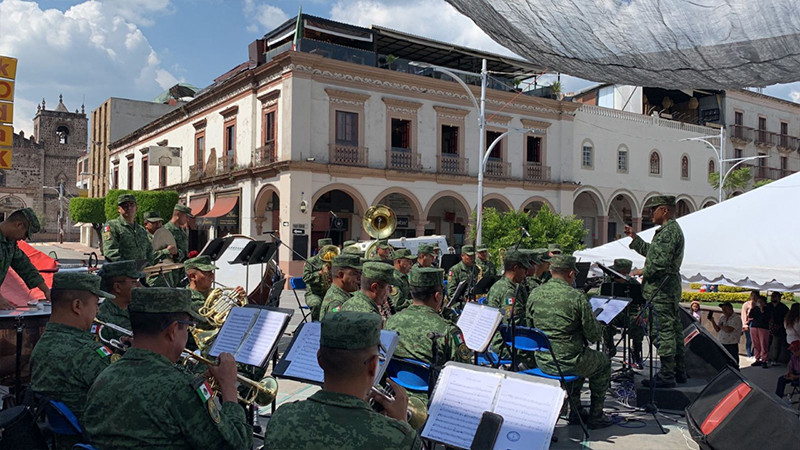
x,y
720,154
60,190
481,125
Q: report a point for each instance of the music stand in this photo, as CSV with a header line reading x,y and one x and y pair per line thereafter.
x,y
262,254
583,273
214,248
461,289
449,260
484,285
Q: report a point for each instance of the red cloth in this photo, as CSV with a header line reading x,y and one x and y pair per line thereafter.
x,y
15,290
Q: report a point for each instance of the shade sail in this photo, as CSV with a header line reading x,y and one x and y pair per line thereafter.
x,y
748,241
714,44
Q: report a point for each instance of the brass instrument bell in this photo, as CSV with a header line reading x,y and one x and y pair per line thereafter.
x,y
379,222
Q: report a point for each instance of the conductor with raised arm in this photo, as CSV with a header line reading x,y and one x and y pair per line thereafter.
x,y
19,225
661,283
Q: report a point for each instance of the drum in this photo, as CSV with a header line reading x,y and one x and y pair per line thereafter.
x,y
33,323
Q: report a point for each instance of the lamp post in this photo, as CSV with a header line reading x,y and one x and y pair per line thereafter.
x,y
60,190
481,126
720,154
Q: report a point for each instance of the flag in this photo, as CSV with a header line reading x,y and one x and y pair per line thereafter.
x,y
298,29
204,391
103,351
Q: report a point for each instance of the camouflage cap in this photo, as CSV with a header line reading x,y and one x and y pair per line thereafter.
x,y
426,249
162,300
622,265
531,255
378,271
80,281
563,262
425,276
554,249
324,241
353,250
482,248
128,269
152,216
662,200
184,209
468,250
347,260
202,262
403,253
348,243
30,217
542,254
125,198
518,257
350,330
383,243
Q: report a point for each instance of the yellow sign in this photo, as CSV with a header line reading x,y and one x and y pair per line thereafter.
x,y
7,90
83,193
6,112
6,136
5,158
8,67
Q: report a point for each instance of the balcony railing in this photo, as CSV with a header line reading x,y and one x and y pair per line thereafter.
x,y
786,142
452,164
765,138
403,159
536,171
195,171
348,155
498,169
767,173
741,133
225,164
264,155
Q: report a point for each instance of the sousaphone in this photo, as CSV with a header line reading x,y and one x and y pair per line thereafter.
x,y
379,222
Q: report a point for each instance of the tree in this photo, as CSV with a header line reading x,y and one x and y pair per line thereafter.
x,y
88,210
765,182
503,230
737,179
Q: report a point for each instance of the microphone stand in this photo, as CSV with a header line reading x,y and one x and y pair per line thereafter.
x,y
278,241
513,308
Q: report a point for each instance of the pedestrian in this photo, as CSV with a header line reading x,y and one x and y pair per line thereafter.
x,y
759,331
729,329
746,307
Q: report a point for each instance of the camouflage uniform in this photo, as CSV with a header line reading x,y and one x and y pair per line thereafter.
x,y
12,256
414,323
339,420
361,303
663,257
486,266
565,316
503,295
375,270
333,301
175,276
401,296
458,273
110,312
316,285
123,241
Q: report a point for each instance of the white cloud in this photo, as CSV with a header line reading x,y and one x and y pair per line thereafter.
x,y
93,50
263,17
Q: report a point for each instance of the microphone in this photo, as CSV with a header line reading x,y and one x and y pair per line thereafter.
x,y
334,215
524,231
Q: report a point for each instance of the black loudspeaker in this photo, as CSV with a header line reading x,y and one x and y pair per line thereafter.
x,y
705,357
733,413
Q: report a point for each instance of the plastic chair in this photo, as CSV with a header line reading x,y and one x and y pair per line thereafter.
x,y
525,338
298,283
61,421
542,343
409,373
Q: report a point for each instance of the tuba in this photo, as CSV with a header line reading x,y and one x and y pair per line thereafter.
x,y
326,254
218,305
379,222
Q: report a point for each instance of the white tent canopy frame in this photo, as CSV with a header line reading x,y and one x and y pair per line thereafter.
x,y
748,241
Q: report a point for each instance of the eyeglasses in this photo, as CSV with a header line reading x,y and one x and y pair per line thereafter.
x,y
189,323
381,358
127,205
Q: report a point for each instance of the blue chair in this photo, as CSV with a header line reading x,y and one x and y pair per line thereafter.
x,y
525,338
61,421
298,283
409,373
492,359
542,343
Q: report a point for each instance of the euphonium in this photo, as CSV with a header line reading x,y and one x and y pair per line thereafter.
x,y
219,303
416,413
261,392
326,254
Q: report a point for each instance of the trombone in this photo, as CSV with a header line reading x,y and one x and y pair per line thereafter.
x,y
117,345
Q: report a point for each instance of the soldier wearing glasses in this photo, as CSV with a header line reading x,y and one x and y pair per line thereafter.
x,y
123,238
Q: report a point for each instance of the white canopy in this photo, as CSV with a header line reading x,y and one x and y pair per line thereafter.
x,y
748,241
712,44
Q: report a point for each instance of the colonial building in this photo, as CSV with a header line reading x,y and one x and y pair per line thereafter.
x,y
43,169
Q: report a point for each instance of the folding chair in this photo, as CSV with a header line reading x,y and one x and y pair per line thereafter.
x,y
522,341
298,283
61,421
542,344
409,373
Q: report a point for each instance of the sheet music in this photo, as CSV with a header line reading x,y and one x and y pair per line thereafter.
x,y
389,340
530,411
302,356
262,337
478,323
611,307
230,335
461,397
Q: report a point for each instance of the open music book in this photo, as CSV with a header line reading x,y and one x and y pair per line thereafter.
x,y
250,334
299,361
478,324
529,407
606,308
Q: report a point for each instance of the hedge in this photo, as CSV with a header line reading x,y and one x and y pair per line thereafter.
x,y
717,297
721,288
161,201
87,210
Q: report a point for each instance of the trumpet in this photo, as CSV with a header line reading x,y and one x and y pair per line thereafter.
x,y
261,392
416,412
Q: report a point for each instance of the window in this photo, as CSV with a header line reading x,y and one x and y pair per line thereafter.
x,y
685,167
655,163
449,140
738,118
762,123
115,181
401,134
162,176
145,172
737,153
270,127
784,141
2,177
784,163
622,159
62,133
711,167
497,151
229,149
534,149
347,128
200,150
130,175
587,160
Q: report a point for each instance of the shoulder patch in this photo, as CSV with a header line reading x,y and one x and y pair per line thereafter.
x,y
103,351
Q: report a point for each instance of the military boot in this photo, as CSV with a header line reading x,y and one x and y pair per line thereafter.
x,y
665,378
597,418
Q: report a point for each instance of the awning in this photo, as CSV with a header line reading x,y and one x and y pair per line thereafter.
x,y
225,212
198,205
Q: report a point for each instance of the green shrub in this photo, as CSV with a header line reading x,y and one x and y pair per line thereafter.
x,y
161,201
717,297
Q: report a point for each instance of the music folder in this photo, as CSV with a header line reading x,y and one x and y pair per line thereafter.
x,y
606,308
299,361
478,323
251,333
529,407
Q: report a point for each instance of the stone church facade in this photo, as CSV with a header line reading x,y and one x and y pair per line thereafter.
x,y
43,164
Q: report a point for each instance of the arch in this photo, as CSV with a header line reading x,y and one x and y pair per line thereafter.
x,y
708,201
712,166
263,198
737,193
358,200
685,168
62,133
689,201
631,198
587,162
683,206
598,198
498,198
623,164
10,203
412,199
459,198
536,199
654,167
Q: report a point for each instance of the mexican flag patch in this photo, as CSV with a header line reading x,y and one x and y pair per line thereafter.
x,y
103,351
96,328
460,338
510,301
107,228
204,391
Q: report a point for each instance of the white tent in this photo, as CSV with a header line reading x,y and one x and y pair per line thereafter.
x,y
747,241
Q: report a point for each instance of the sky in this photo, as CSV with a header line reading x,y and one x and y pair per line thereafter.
x,y
92,50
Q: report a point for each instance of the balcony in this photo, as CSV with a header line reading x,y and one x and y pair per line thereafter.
x,y
348,155
498,169
536,171
264,155
765,138
767,173
196,172
225,164
403,159
787,143
741,134
451,164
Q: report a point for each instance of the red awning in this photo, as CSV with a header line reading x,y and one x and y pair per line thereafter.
x,y
198,205
15,290
225,212
221,207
